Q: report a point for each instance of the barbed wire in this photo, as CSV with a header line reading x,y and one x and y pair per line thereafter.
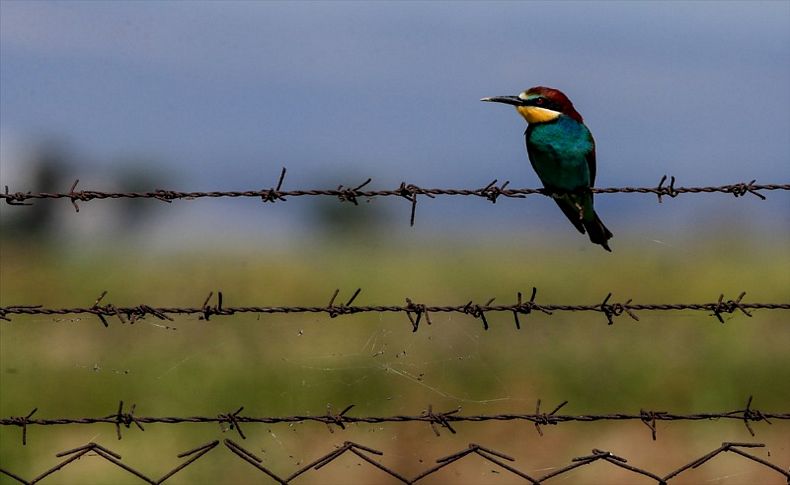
x,y
368,454
410,192
414,311
436,420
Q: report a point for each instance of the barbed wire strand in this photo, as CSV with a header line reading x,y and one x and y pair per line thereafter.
x,y
410,192
436,420
414,311
370,455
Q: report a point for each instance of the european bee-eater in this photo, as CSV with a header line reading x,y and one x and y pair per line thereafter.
x,y
562,152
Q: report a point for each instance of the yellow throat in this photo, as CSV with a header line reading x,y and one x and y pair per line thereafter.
x,y
534,114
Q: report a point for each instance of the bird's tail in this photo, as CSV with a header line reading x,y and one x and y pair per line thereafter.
x,y
578,208
597,232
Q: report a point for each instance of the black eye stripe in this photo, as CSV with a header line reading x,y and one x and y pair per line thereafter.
x,y
541,103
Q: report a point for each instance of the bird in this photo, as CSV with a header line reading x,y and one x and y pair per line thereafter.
x,y
561,150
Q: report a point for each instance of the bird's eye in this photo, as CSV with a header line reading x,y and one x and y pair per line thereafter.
x,y
539,102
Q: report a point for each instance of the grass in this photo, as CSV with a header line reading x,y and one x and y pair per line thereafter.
x,y
298,364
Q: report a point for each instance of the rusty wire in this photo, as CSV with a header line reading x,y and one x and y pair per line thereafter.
x,y
410,192
436,420
414,311
370,455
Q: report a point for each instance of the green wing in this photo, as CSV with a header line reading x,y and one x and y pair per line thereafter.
x,y
591,163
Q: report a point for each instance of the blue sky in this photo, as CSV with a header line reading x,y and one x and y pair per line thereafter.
x,y
222,95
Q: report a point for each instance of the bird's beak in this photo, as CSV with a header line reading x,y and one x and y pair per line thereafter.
x,y
514,100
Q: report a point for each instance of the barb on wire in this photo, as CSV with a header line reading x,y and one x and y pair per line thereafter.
x,y
543,418
346,194
336,419
274,194
371,457
410,192
526,308
232,420
419,310
344,308
22,421
125,419
446,420
413,311
440,418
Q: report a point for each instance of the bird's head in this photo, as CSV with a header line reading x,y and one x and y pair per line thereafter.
x,y
540,104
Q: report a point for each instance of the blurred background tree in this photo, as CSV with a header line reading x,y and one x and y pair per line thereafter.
x,y
47,166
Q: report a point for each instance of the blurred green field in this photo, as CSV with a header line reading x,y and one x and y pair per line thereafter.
x,y
299,364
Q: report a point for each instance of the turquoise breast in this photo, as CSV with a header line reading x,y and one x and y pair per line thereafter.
x,y
560,153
